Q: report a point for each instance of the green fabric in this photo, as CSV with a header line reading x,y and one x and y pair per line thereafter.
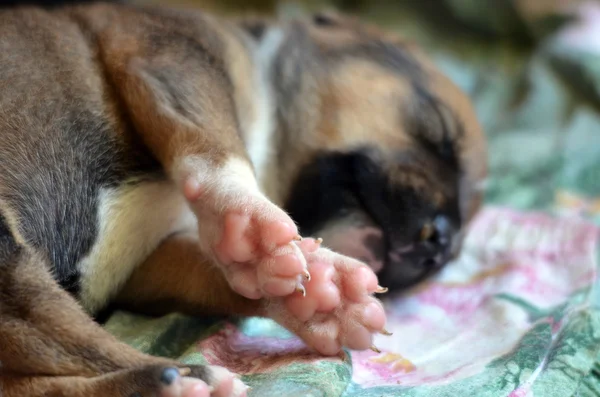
x,y
536,87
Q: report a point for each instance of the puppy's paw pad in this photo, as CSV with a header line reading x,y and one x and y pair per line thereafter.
x,y
351,325
241,229
253,230
259,251
226,384
338,310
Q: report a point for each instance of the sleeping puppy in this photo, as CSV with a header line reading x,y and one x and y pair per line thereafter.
x,y
391,154
146,157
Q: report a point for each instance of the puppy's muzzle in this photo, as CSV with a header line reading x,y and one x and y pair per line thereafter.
x,y
435,246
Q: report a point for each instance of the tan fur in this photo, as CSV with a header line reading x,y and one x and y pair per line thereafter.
x,y
337,113
473,150
156,287
133,221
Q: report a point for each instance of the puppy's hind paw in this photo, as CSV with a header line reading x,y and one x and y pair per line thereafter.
x,y
339,309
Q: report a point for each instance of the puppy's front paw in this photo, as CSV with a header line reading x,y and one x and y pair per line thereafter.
x,y
339,309
258,251
249,236
165,381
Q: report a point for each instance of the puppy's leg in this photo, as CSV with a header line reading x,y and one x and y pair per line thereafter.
x,y
338,309
49,346
180,99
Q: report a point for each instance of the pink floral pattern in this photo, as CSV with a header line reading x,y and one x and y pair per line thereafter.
x,y
457,324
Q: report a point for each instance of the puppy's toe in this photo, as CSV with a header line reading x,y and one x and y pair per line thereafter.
x,y
253,240
174,385
338,309
221,381
164,381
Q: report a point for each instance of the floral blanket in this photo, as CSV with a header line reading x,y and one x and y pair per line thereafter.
x,y
517,314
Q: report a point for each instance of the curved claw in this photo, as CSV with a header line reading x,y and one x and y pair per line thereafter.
x,y
381,290
306,275
300,288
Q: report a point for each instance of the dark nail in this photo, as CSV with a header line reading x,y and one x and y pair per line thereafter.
x,y
169,375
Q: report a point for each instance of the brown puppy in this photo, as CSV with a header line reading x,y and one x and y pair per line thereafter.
x,y
129,144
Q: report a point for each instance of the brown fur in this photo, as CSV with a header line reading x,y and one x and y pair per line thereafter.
x,y
134,61
49,346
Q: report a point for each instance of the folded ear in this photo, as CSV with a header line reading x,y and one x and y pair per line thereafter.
x,y
444,122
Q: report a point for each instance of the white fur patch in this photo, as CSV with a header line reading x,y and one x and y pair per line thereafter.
x,y
260,133
233,177
132,221
236,174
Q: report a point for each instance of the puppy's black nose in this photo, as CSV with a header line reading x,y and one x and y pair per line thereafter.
x,y
433,246
430,249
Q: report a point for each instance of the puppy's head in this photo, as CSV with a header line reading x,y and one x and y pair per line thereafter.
x,y
380,154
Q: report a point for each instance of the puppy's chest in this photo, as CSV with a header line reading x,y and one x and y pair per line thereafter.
x,y
132,220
